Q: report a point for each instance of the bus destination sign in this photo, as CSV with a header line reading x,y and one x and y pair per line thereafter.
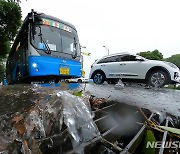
x,y
56,24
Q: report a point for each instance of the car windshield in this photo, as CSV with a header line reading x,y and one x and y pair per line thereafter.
x,y
56,40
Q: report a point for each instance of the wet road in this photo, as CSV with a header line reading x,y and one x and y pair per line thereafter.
x,y
19,97
162,100
32,112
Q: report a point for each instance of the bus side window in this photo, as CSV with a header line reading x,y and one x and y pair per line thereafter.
x,y
23,42
25,38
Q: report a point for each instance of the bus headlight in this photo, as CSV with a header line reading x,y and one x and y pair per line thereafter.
x,y
34,65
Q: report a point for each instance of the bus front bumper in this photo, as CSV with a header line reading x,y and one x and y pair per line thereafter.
x,y
51,66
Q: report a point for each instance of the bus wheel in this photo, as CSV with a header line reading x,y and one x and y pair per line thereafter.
x,y
18,76
56,80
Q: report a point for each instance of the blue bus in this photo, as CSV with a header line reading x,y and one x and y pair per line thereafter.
x,y
46,48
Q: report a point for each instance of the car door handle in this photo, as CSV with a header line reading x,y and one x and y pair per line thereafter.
x,y
122,64
103,65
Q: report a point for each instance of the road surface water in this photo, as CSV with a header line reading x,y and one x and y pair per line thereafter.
x,y
26,108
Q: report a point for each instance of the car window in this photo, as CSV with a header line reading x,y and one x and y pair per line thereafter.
x,y
128,58
101,61
109,59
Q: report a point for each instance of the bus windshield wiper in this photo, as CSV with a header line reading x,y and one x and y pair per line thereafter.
x,y
43,41
75,45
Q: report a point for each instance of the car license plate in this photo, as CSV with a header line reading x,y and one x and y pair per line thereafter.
x,y
64,71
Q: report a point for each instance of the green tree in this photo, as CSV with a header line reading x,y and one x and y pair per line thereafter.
x,y
153,55
4,49
174,59
15,1
2,70
10,21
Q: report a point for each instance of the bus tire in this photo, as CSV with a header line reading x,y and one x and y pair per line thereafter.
x,y
56,80
18,76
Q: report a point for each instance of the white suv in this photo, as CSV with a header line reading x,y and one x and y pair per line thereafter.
x,y
78,80
129,66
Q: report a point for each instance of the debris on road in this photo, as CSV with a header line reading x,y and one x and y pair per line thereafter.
x,y
96,102
78,122
119,85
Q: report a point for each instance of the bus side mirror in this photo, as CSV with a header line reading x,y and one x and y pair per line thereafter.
x,y
31,16
74,53
74,49
33,31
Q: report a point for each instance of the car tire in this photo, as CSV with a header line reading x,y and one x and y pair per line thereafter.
x,y
98,77
79,81
158,78
67,81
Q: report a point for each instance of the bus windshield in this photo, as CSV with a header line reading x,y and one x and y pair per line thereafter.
x,y
55,39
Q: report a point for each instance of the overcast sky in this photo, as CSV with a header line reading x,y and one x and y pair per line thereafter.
x,y
121,25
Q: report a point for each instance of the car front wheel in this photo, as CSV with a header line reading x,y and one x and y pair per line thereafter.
x,y
98,77
158,78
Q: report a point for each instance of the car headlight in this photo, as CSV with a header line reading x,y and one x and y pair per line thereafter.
x,y
171,64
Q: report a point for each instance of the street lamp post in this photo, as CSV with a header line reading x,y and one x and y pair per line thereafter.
x,y
106,49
